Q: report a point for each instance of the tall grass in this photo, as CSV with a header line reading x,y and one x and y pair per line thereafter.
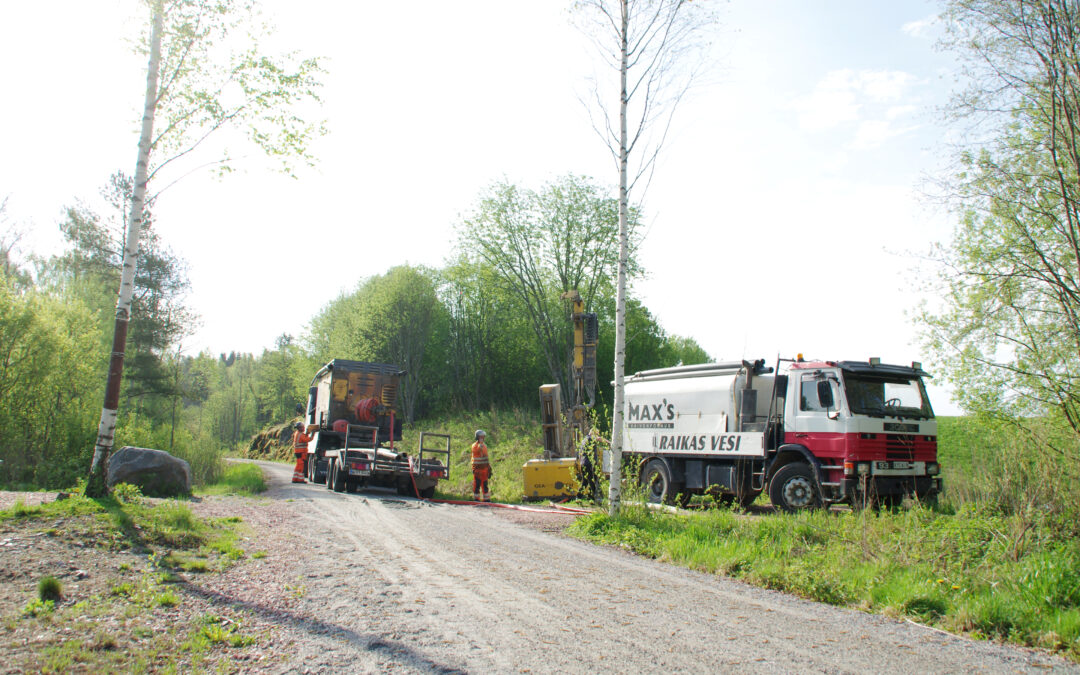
x,y
237,478
998,557
513,437
997,464
977,571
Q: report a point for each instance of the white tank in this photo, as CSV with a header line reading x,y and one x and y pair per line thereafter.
x,y
696,410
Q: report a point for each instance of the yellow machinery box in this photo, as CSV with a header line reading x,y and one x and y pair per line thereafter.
x,y
548,478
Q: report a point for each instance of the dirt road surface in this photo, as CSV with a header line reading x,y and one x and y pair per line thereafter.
x,y
380,583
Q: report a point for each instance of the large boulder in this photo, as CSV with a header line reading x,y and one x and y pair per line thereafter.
x,y
156,472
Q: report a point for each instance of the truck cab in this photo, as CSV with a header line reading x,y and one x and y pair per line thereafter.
x,y
867,429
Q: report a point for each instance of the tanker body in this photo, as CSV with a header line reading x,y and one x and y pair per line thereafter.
x,y
818,433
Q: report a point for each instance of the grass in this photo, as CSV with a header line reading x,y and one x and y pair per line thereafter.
x,y
513,437
169,538
964,572
237,478
998,558
50,588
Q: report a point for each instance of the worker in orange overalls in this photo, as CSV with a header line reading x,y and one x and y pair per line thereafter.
x,y
481,468
300,442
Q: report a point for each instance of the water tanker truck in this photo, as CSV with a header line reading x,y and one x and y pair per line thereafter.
x,y
810,433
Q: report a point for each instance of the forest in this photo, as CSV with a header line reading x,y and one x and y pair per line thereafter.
x,y
482,332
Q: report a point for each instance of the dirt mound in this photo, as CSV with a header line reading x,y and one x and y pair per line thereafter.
x,y
273,442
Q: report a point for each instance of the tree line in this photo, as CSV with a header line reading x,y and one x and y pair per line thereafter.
x,y
485,330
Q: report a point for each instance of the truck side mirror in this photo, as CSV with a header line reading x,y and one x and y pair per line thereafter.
x,y
299,409
824,394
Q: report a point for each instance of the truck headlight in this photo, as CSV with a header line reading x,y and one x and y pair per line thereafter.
x,y
864,468
932,468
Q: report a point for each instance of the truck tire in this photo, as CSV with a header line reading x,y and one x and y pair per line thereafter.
x,y
656,479
428,492
792,488
329,481
339,478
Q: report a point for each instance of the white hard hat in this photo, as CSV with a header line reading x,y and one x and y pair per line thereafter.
x,y
479,433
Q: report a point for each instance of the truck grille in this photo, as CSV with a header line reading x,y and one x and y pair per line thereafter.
x,y
900,447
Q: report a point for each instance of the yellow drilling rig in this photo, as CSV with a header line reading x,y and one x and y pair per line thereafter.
x,y
564,427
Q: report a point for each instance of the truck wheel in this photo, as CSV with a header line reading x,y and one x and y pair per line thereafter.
x,y
792,488
339,478
657,483
428,492
351,486
329,475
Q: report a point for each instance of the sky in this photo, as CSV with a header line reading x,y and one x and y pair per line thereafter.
x,y
786,214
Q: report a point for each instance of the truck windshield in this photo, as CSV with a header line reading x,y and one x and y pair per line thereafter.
x,y
886,396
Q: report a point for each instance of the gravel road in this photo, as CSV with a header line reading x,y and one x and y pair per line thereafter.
x,y
383,583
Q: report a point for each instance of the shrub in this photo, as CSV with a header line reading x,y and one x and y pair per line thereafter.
x,y
50,588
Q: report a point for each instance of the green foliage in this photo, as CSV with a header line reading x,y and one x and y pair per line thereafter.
x,y
1007,332
38,607
388,319
213,631
209,48
539,245
513,437
962,572
237,478
126,493
50,589
687,351
48,387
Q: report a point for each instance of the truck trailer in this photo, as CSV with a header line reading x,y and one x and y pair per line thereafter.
x,y
351,404
810,433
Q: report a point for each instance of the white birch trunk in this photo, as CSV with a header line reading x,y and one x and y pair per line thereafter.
x,y
615,485
107,426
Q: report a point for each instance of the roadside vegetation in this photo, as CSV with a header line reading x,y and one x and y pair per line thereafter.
x,y
513,437
128,609
998,557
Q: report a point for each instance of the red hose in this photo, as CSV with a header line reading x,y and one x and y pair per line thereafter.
x,y
555,508
517,507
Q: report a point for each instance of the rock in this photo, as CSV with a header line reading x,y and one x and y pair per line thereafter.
x,y
155,472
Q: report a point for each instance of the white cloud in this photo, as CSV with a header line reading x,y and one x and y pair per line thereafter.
x,y
884,85
873,133
868,101
924,28
898,111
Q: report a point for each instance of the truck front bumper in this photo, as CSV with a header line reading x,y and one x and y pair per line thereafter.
x,y
920,487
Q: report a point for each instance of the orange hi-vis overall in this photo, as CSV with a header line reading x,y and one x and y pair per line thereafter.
x,y
481,471
300,442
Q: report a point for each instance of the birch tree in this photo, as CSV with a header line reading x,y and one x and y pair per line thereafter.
x,y
200,81
655,47
1008,331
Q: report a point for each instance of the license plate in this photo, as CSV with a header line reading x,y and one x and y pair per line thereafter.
x,y
894,465
354,472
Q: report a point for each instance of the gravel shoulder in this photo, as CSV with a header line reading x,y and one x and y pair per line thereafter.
x,y
373,582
